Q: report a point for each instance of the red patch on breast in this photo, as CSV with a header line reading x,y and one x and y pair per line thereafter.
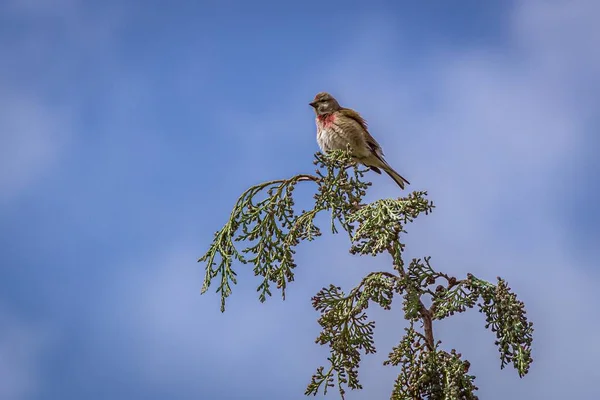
x,y
326,119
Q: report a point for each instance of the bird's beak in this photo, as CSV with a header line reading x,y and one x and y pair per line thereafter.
x,y
313,104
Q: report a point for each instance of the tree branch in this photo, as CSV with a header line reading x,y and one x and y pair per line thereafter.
x,y
427,325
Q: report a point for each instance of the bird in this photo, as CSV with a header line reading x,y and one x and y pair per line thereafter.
x,y
338,127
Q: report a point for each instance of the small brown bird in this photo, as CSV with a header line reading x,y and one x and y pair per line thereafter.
x,y
338,127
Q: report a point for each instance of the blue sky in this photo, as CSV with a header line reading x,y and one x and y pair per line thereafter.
x,y
128,129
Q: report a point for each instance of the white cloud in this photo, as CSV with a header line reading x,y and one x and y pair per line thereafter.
x,y
181,337
21,346
560,36
32,137
35,128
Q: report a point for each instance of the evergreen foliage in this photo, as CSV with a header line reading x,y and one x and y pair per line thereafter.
x,y
264,220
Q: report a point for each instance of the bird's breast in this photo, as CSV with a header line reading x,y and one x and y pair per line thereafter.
x,y
330,136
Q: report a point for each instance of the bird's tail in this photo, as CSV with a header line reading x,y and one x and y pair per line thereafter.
x,y
396,176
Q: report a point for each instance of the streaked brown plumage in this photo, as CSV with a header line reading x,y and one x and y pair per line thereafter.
x,y
338,126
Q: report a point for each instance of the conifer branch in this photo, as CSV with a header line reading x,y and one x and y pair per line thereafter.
x,y
266,222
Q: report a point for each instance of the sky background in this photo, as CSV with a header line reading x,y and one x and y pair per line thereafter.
x,y
128,129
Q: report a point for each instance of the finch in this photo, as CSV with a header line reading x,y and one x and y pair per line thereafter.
x,y
338,127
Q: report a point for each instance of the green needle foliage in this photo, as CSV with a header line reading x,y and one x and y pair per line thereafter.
x,y
267,226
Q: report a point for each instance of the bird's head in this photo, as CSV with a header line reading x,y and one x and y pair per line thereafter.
x,y
324,103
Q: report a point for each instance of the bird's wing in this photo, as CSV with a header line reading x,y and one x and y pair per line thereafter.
x,y
371,142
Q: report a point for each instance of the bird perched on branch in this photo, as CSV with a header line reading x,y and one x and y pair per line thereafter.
x,y
338,127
